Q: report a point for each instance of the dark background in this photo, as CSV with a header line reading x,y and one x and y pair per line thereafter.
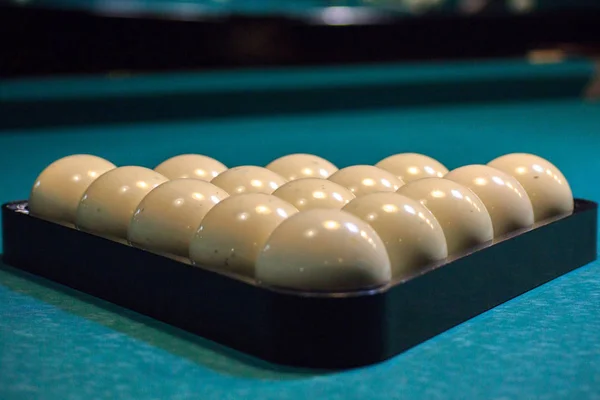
x,y
41,38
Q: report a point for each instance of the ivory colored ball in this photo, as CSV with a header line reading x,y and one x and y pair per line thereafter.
x,y
234,231
412,166
57,190
324,250
461,214
547,187
249,179
504,197
365,179
412,236
167,218
109,203
195,166
296,166
309,193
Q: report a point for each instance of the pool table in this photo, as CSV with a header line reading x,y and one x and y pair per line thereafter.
x,y
57,343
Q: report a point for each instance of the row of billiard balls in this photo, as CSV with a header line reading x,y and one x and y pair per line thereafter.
x,y
300,223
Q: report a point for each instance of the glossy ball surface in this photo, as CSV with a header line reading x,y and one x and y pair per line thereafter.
x,y
412,166
324,250
504,197
110,201
297,166
309,193
547,187
56,193
195,166
234,231
461,214
249,179
412,236
365,179
167,218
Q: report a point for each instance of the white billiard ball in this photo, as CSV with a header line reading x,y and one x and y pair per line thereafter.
x,y
504,197
365,179
296,166
57,190
194,166
249,179
412,236
461,214
108,204
168,217
548,189
234,231
412,166
324,250
309,193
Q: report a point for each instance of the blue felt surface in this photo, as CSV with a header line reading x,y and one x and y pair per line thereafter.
x,y
544,344
224,81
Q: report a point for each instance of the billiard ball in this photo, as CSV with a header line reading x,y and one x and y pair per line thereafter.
x,y
308,193
194,166
365,179
249,179
57,190
548,189
412,166
234,231
323,250
461,214
295,166
108,204
504,197
412,236
167,218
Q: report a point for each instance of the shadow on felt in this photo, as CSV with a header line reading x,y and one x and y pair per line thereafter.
x,y
199,350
